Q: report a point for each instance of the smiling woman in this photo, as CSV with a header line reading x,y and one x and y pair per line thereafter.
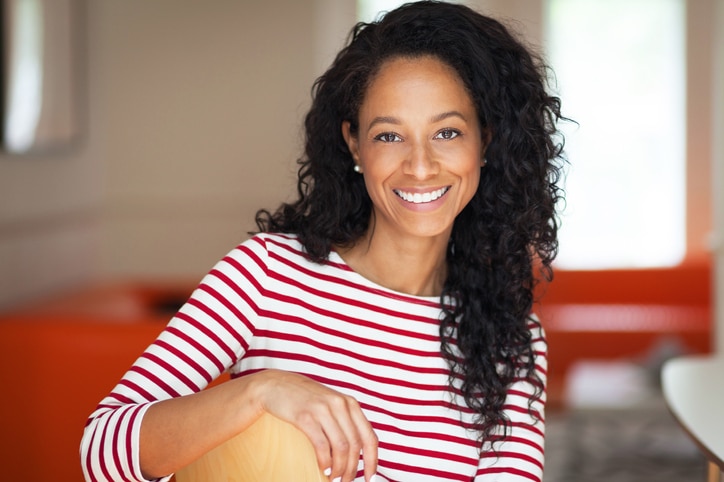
x,y
386,312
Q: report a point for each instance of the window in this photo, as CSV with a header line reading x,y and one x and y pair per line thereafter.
x,y
620,68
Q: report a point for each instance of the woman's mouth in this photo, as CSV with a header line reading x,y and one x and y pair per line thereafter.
x,y
421,197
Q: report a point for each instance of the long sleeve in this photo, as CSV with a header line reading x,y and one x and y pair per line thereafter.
x,y
207,336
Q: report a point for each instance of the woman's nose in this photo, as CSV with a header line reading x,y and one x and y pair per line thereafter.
x,y
421,162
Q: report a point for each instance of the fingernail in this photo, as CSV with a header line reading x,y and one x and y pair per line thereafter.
x,y
373,478
337,479
328,471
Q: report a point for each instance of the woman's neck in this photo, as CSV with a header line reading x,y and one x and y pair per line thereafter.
x,y
415,266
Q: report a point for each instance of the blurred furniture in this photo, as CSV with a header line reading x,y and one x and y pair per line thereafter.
x,y
270,450
694,392
58,358
623,315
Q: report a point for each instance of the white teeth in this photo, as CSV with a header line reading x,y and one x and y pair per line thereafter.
x,y
419,198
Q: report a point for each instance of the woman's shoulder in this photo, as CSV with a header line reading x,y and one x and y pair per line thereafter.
x,y
273,249
274,243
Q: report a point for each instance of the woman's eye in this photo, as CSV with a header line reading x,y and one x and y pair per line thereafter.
x,y
447,134
388,137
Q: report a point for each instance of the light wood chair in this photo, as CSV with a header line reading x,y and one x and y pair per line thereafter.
x,y
270,450
715,473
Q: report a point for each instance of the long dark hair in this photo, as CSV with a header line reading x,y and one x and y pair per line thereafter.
x,y
504,240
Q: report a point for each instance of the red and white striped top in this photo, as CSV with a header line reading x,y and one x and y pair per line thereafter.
x,y
265,305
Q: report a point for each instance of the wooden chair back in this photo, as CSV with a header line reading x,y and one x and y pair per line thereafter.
x,y
270,450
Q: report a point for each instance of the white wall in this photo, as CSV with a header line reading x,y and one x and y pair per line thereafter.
x,y
524,16
201,107
194,115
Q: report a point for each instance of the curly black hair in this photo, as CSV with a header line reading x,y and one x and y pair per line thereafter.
x,y
504,241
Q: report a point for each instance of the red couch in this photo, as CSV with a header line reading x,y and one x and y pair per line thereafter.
x,y
623,314
57,360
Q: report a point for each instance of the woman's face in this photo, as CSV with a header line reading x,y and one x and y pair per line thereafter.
x,y
419,146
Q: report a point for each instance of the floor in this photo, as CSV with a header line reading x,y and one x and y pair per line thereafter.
x,y
618,428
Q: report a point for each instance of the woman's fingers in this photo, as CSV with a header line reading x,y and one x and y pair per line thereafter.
x,y
333,422
361,438
369,447
346,444
346,429
320,442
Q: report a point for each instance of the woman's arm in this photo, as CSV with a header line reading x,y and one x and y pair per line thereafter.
x,y
177,431
159,417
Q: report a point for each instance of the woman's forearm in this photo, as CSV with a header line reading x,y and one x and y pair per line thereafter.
x,y
177,431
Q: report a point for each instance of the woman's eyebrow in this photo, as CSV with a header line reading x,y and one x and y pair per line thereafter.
x,y
384,120
436,118
445,115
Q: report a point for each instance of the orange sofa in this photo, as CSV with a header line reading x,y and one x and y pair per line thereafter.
x,y
58,359
623,314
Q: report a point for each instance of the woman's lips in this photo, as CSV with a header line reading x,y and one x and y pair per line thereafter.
x,y
421,197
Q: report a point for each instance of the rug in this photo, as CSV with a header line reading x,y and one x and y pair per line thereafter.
x,y
643,443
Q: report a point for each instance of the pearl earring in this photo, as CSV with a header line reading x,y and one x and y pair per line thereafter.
x,y
357,168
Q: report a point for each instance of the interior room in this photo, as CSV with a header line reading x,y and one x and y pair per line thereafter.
x,y
176,120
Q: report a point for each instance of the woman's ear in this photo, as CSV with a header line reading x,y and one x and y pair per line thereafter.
x,y
486,137
351,140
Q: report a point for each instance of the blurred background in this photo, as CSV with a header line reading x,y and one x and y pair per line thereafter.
x,y
154,130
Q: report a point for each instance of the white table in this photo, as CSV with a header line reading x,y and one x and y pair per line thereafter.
x,y
694,392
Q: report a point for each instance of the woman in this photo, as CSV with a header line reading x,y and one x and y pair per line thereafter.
x,y
387,312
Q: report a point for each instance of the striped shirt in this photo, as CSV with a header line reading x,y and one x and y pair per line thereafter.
x,y
265,305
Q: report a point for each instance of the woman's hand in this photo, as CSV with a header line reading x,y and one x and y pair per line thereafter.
x,y
333,422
